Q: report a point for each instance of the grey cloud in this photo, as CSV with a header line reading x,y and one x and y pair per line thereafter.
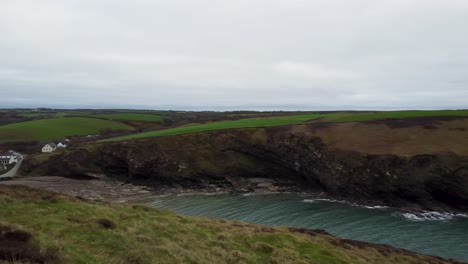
x,y
291,54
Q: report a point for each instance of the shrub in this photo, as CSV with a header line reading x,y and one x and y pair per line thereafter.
x,y
17,245
106,223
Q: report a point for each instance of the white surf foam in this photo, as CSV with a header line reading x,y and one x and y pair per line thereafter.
x,y
431,216
344,202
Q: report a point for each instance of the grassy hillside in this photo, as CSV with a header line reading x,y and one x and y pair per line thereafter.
x,y
242,123
43,226
339,117
132,117
56,128
52,114
354,117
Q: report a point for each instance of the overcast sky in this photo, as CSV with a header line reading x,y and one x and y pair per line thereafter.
x,y
236,54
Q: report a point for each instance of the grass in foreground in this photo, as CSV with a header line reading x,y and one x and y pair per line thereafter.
x,y
56,128
68,230
242,123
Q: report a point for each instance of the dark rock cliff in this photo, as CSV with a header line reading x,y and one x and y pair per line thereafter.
x,y
224,158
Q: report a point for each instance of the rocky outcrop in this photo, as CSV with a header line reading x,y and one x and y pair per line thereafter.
x,y
227,158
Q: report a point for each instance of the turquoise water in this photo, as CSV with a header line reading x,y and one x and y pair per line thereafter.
x,y
446,237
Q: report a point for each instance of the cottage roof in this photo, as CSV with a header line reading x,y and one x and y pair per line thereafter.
x,y
52,145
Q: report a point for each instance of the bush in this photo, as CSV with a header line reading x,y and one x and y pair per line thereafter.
x,y
17,245
106,223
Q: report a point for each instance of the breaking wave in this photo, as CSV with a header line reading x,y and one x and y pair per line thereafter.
x,y
344,202
430,216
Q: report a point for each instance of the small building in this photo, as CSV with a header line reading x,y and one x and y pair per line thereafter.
x,y
61,145
50,147
6,159
6,162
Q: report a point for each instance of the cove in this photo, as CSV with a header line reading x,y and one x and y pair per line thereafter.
x,y
435,234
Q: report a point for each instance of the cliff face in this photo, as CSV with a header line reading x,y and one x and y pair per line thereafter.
x,y
226,158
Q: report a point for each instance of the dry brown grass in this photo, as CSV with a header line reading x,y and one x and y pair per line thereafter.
x,y
381,138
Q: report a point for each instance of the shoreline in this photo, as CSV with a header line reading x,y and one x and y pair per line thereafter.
x,y
411,212
406,212
110,190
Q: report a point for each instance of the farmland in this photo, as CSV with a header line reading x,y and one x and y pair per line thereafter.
x,y
242,123
131,117
338,117
164,123
56,128
359,117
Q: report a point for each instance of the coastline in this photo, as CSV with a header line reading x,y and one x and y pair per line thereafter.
x,y
103,189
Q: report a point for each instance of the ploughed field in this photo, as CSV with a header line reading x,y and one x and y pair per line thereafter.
x,y
70,230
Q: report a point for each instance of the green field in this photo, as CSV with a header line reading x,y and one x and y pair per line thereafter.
x,y
32,114
132,117
357,117
44,227
52,114
295,119
242,123
56,128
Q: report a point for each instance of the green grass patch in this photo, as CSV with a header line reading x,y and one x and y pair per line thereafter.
x,y
132,117
358,117
82,232
294,119
56,128
51,114
32,114
242,123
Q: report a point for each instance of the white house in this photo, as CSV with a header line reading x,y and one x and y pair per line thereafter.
x,y
61,145
50,147
7,159
11,157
